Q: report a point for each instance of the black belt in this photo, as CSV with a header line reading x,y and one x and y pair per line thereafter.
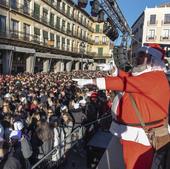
x,y
139,124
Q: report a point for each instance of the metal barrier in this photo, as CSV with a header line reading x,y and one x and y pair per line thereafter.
x,y
56,156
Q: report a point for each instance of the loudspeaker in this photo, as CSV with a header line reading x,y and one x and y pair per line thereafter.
x,y
82,3
111,32
95,6
101,16
96,148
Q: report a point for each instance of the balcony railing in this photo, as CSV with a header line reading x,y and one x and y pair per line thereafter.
x,y
101,43
27,11
165,22
35,39
152,23
165,38
58,8
151,38
96,55
44,19
98,31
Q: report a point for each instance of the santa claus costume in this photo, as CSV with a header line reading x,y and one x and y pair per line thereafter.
x,y
148,85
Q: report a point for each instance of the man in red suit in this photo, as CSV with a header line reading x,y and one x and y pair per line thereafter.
x,y
148,85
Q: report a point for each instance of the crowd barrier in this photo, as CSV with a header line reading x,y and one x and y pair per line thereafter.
x,y
58,154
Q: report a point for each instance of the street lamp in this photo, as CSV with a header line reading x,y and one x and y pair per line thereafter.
x,y
82,49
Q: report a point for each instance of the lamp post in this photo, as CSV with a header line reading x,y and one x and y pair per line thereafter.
x,y
82,49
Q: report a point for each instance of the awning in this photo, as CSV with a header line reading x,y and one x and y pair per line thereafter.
x,y
17,49
53,56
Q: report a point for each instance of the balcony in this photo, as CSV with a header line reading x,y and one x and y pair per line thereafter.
x,y
98,31
149,23
97,56
44,19
163,22
18,38
165,38
101,43
58,8
150,38
69,32
14,34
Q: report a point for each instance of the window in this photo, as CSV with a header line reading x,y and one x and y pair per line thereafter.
x,y
58,4
2,23
100,52
14,27
68,27
68,10
52,19
26,6
26,29
81,19
45,37
45,15
37,31
36,34
63,7
63,43
58,41
51,42
63,25
104,39
97,28
166,33
51,36
85,21
13,4
58,22
68,44
36,11
96,39
167,19
152,19
81,33
151,34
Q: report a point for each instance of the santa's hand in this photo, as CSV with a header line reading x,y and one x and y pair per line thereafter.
x,y
83,82
111,68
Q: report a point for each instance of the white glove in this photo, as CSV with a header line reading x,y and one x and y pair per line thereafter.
x,y
82,82
110,67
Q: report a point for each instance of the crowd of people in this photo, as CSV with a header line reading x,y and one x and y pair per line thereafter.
x,y
38,111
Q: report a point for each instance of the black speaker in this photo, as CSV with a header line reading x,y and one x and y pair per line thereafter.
x,y
101,16
82,3
96,148
110,31
95,7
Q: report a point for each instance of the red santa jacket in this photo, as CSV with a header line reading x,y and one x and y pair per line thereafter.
x,y
151,93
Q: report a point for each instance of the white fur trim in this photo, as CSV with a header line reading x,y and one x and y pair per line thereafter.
x,y
101,83
148,69
116,103
129,133
115,72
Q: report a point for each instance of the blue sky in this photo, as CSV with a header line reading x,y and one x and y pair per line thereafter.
x,y
131,9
